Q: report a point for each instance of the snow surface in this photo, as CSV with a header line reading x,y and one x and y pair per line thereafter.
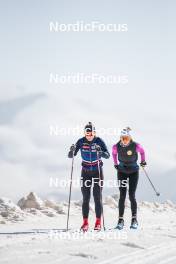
x,y
153,242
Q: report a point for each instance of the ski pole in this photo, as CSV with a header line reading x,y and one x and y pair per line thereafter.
x,y
101,199
157,193
69,199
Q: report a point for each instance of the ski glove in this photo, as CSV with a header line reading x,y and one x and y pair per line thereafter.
x,y
116,166
103,154
72,148
71,152
98,148
143,163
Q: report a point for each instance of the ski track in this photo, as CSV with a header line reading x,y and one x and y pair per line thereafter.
x,y
169,260
98,251
57,260
139,256
150,255
163,254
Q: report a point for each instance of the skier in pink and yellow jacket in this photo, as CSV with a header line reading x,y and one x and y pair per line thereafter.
x,y
125,156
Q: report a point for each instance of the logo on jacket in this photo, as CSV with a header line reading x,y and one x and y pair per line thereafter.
x,y
129,152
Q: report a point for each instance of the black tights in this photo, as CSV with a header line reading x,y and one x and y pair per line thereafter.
x,y
90,178
133,181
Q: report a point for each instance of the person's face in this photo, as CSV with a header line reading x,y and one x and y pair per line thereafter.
x,y
89,136
125,140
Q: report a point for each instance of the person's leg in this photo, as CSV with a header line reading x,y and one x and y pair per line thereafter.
x,y
97,189
123,189
86,181
133,182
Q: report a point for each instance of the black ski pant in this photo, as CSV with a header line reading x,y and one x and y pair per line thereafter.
x,y
132,179
91,179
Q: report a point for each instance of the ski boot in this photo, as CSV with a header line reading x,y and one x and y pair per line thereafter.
x,y
134,223
120,224
98,224
85,225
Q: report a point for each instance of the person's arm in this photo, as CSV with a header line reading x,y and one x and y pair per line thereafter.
x,y
74,149
104,153
140,149
115,154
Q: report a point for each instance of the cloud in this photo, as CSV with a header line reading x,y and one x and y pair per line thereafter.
x,y
9,109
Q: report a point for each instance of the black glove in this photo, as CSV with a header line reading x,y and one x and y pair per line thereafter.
x,y
72,148
71,151
116,167
98,148
143,164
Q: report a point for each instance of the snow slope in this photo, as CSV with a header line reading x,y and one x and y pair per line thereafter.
x,y
153,242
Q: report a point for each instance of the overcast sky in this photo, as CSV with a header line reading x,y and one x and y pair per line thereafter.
x,y
30,104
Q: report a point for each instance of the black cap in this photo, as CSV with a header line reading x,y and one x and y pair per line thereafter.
x,y
89,127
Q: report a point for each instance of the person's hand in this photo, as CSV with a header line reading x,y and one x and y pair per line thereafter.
x,y
98,148
143,164
72,148
116,166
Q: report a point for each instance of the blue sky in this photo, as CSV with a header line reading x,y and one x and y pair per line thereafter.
x,y
29,104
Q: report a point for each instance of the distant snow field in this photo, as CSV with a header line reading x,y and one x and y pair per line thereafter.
x,y
32,231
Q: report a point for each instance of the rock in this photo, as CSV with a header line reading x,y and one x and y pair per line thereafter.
x,y
146,204
9,210
4,213
109,200
7,205
57,207
31,201
116,197
157,205
169,203
33,211
34,205
49,212
78,203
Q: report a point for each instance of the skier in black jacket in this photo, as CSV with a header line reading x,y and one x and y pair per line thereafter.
x,y
92,150
125,155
